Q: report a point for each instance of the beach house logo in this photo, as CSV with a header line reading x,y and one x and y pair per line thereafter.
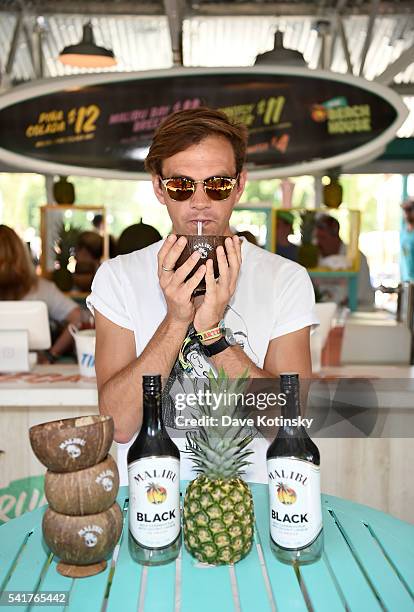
x,y
73,446
105,479
90,534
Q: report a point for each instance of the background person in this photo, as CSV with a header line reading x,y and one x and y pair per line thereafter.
x,y
284,228
137,236
407,241
18,281
336,289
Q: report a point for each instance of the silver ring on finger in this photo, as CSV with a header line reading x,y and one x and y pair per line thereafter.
x,y
167,269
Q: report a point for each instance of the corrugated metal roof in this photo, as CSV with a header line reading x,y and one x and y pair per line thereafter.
x,y
143,42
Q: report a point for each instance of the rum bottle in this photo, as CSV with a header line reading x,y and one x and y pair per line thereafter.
x,y
293,466
154,485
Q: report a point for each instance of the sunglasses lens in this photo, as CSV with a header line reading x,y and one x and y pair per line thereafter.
x,y
179,189
218,188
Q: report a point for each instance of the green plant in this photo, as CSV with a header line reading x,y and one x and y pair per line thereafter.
x,y
64,249
307,225
308,252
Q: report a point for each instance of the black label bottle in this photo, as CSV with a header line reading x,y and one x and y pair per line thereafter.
x,y
293,466
154,485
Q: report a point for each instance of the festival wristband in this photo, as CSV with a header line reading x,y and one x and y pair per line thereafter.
x,y
211,334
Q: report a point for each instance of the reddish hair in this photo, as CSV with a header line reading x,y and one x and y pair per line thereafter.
x,y
17,274
184,128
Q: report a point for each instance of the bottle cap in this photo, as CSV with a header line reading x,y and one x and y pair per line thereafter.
x,y
289,376
151,383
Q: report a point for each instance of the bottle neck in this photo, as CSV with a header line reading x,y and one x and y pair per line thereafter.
x,y
291,410
152,422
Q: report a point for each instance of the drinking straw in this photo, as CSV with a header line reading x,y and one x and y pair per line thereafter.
x,y
199,228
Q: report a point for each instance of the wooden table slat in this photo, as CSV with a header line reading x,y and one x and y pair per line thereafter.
x,y
321,587
401,553
10,546
349,576
53,581
88,593
202,584
400,529
34,555
251,583
387,584
12,536
160,589
286,590
126,580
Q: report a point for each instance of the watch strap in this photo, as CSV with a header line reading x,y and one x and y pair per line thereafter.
x,y
217,347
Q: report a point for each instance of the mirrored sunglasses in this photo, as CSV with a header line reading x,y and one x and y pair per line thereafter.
x,y
217,188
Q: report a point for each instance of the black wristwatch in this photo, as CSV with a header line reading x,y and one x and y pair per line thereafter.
x,y
220,345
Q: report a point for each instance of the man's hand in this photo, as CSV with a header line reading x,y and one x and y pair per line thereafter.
x,y
178,293
218,294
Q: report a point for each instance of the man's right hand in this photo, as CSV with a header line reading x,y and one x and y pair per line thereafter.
x,y
178,293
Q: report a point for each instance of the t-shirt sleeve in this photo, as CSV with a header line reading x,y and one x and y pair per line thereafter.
x,y
295,304
107,295
59,305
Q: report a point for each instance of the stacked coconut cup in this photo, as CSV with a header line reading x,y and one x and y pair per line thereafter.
x,y
83,522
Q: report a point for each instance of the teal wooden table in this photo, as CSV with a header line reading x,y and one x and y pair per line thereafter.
x,y
367,565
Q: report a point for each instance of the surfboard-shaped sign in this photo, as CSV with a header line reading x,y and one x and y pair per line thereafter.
x,y
300,121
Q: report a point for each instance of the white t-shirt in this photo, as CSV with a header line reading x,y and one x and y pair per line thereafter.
x,y
273,297
58,305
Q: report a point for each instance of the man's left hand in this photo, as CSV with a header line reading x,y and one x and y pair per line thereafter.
x,y
218,293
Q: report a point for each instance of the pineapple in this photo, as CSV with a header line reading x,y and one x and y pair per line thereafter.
x,y
218,504
308,252
332,193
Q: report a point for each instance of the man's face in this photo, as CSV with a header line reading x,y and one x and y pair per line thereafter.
x,y
327,241
213,156
409,214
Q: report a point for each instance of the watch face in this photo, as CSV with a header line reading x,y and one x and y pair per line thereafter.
x,y
229,337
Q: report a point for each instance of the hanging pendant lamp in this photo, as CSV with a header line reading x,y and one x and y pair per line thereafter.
x,y
280,55
87,54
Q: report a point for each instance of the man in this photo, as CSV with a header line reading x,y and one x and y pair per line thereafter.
x,y
336,289
144,309
407,241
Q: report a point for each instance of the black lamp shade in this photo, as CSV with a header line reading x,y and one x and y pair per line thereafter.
x,y
87,54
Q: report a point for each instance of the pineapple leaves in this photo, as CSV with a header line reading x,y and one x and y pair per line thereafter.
x,y
220,450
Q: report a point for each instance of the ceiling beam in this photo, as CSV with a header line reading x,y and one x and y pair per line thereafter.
x,y
406,58
136,7
174,10
368,37
404,89
29,44
294,9
91,7
14,43
345,47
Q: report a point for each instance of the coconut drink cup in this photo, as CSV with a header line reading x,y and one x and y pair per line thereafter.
x,y
206,246
83,522
73,444
82,542
87,491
